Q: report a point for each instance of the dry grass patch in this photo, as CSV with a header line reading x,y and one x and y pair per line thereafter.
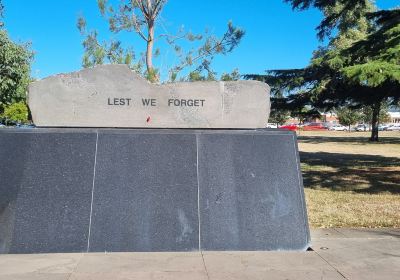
x,y
348,209
349,181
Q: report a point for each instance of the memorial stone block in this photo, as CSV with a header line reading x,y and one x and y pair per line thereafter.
x,y
111,190
115,96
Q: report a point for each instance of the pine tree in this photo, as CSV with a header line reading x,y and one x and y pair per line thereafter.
x,y
359,67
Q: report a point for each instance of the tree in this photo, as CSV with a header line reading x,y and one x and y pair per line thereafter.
x,y
140,17
278,116
342,15
1,14
348,116
367,114
16,112
233,76
359,66
15,60
368,67
195,76
374,63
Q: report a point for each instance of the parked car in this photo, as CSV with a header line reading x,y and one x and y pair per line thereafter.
x,y
394,127
361,127
338,127
314,126
2,125
383,127
292,127
272,125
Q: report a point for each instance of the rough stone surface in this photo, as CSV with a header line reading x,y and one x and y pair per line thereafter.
x,y
150,190
99,97
45,191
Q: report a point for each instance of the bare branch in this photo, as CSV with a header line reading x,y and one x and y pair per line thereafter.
x,y
158,7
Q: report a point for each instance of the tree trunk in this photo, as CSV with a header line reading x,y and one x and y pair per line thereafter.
x,y
149,50
150,42
375,122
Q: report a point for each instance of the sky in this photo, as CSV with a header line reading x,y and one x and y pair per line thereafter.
x,y
276,37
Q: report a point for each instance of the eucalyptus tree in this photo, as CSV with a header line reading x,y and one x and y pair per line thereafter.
x,y
142,17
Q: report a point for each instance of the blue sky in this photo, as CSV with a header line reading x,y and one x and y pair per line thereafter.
x,y
276,37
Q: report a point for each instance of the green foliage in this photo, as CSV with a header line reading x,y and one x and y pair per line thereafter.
x,y
15,62
348,116
360,66
375,60
233,76
343,15
279,116
97,53
374,73
17,112
152,75
1,14
210,46
195,76
140,17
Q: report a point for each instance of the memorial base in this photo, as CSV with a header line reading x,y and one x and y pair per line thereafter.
x,y
110,190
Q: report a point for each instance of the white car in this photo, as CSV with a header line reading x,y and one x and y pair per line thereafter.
x,y
272,125
338,127
395,127
361,127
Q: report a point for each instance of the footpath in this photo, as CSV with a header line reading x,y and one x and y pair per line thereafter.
x,y
336,254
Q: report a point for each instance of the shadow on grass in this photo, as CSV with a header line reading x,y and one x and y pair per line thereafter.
x,y
351,172
351,139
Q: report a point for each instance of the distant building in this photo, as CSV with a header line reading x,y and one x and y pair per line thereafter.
x,y
329,118
394,117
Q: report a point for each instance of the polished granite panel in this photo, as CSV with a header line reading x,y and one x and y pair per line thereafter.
x,y
46,183
153,190
145,195
251,192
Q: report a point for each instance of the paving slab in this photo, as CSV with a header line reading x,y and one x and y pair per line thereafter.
x,y
263,261
38,263
277,275
130,263
362,253
369,233
356,255
37,276
326,233
165,275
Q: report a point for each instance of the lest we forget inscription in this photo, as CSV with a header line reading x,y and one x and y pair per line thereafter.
x,y
115,96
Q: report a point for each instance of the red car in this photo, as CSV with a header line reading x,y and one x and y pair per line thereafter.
x,y
291,127
314,126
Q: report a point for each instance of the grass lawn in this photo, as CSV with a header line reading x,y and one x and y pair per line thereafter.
x,y
350,182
